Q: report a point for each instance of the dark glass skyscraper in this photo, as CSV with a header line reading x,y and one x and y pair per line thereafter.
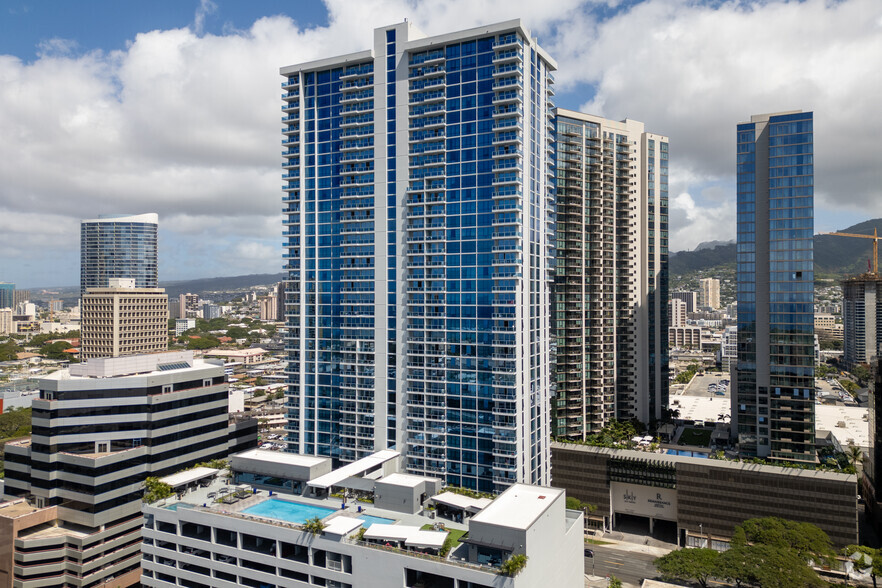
x,y
774,396
118,247
7,295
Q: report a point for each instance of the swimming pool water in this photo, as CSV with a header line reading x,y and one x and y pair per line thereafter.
x,y
370,520
284,510
177,505
686,453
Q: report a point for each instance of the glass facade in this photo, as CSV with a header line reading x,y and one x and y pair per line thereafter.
x,y
774,402
7,295
611,279
420,247
119,247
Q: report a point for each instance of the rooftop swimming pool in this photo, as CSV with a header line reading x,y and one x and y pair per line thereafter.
x,y
686,453
370,520
177,505
285,510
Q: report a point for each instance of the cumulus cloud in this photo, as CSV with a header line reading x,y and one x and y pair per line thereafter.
x,y
206,7
186,123
693,71
692,223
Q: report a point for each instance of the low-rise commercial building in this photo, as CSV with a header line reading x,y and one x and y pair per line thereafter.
x,y
246,357
182,325
257,539
699,500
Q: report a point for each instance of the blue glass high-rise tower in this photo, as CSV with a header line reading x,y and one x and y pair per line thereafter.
x,y
7,295
119,247
773,396
420,244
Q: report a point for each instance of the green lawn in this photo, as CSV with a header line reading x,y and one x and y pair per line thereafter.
x,y
697,437
452,541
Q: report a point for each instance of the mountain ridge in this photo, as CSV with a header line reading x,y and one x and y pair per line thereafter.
x,y
836,257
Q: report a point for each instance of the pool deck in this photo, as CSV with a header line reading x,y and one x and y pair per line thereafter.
x,y
200,497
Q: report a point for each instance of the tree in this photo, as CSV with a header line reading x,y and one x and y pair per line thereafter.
x,y
513,565
823,370
15,422
39,340
314,526
56,350
850,386
854,454
862,372
202,343
9,351
806,540
874,554
831,344
613,582
766,566
217,324
237,333
155,490
615,432
689,564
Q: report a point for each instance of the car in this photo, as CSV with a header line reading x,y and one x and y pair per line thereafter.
x,y
589,553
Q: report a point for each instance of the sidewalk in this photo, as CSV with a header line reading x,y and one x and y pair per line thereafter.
x,y
600,582
657,551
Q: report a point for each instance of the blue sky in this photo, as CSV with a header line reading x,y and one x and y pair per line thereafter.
x,y
112,24
173,107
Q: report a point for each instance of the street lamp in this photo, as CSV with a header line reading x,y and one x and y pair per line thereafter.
x,y
700,533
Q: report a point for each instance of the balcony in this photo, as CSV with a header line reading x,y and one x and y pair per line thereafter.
x,y
512,55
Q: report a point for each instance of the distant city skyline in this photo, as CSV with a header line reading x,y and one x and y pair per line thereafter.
x,y
171,107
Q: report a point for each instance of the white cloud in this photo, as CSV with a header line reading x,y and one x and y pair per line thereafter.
x,y
692,72
691,224
187,124
206,7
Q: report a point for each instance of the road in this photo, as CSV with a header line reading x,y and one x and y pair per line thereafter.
x,y
628,566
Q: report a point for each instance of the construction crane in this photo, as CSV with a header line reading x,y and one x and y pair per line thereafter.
x,y
875,238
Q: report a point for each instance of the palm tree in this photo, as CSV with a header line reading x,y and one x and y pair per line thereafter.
x,y
854,454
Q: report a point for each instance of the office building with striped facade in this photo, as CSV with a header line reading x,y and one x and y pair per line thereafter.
x,y
611,285
419,214
99,430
